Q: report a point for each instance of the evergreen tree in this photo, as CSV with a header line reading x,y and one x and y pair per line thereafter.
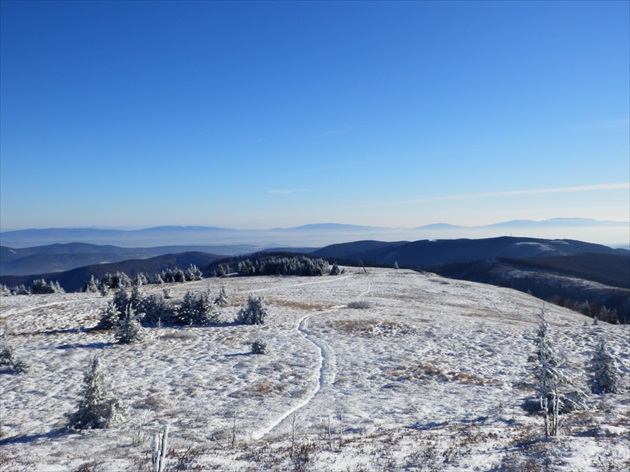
x,y
222,300
196,309
129,329
91,286
549,377
254,313
97,408
8,359
156,310
193,273
604,373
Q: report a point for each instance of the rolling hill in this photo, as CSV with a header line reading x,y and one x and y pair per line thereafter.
x,y
433,374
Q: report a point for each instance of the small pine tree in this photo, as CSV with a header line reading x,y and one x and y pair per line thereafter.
x,y
335,270
254,313
8,359
549,378
91,286
604,373
222,300
193,273
129,329
196,309
156,310
97,409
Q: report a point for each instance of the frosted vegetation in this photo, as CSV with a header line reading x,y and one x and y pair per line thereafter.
x,y
284,373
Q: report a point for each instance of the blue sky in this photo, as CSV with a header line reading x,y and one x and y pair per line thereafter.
x,y
261,115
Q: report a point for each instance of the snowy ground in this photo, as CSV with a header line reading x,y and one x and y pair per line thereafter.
x,y
432,376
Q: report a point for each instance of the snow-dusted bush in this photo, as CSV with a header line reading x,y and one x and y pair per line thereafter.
x,y
129,328
360,304
335,270
97,408
196,309
254,313
8,359
603,370
259,347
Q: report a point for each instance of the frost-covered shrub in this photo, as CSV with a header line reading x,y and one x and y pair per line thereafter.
x,y
604,373
97,408
360,304
335,270
21,290
196,309
129,328
254,313
259,347
9,360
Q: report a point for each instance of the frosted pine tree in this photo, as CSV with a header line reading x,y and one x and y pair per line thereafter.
x,y
196,309
254,313
129,329
91,286
604,373
97,409
222,300
8,359
550,378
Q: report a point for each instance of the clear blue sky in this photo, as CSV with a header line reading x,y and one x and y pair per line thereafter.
x,y
260,115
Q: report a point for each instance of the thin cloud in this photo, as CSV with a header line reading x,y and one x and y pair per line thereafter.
x,y
287,191
509,193
334,132
604,125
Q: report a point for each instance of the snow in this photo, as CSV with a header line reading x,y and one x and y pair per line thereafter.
x,y
432,376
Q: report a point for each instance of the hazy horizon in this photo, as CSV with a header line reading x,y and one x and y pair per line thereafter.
x,y
282,114
614,234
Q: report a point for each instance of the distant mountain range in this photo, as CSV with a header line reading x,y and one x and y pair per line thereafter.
x,y
317,235
62,257
426,253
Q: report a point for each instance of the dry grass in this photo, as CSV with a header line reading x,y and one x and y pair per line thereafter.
x,y
302,305
428,371
372,328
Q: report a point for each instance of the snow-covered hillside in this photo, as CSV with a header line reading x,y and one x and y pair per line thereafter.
x,y
431,376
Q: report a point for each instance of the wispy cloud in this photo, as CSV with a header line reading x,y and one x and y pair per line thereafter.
x,y
510,193
604,125
287,191
334,132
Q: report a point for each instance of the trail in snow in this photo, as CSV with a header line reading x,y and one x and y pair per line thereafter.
x,y
300,284
326,369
